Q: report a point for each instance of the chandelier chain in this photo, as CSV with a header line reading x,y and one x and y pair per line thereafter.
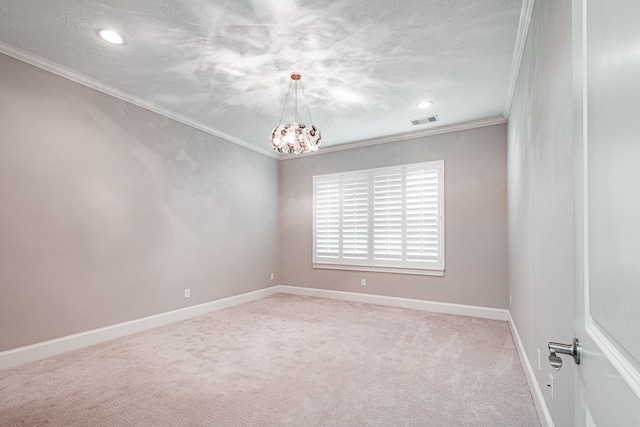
x,y
304,95
286,98
296,115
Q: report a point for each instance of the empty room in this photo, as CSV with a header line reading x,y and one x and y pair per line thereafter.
x,y
298,213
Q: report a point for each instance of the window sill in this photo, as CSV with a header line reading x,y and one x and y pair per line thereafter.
x,y
416,271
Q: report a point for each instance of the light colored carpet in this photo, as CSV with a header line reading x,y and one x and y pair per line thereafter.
x,y
283,361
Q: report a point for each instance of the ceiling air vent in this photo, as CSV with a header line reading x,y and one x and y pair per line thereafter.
x,y
425,120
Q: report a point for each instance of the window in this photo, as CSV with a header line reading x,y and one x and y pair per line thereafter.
x,y
388,219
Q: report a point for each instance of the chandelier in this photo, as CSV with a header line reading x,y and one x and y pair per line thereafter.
x,y
296,137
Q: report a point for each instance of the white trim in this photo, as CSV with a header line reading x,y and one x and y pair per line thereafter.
x,y
499,120
589,418
585,169
626,370
518,51
436,307
92,83
536,393
373,268
30,353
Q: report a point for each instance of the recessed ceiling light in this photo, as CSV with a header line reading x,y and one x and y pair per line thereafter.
x,y
425,104
111,36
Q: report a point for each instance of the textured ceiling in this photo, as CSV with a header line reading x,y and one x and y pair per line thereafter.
x,y
225,65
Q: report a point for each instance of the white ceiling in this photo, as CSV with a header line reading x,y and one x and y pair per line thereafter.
x,y
224,65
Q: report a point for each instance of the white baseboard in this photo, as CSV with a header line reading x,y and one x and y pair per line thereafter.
x,y
30,353
538,399
438,307
38,351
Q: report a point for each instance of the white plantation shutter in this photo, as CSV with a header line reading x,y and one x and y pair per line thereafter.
x,y
355,217
423,215
386,218
327,218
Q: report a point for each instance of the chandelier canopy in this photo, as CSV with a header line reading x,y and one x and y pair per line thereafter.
x,y
296,137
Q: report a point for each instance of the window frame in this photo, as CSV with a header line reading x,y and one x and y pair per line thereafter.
x,y
370,263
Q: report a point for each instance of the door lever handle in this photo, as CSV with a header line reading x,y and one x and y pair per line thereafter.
x,y
574,350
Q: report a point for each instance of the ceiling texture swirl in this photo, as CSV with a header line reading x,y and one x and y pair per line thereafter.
x,y
224,66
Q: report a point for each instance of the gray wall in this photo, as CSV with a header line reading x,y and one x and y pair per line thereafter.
x,y
109,211
475,213
542,197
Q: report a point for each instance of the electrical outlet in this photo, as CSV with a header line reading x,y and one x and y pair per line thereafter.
x,y
273,276
550,385
510,300
539,365
363,282
187,293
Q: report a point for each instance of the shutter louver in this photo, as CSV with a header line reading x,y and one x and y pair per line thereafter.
x,y
328,218
387,216
422,215
355,213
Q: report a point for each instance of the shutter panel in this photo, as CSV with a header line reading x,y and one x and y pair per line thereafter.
x,y
387,217
423,235
327,218
355,214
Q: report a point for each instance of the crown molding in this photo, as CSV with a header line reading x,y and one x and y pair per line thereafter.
x,y
518,51
491,121
92,83
84,80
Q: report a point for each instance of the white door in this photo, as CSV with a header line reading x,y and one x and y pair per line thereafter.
x,y
607,70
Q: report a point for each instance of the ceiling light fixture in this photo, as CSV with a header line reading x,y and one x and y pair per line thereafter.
x,y
425,104
295,138
111,36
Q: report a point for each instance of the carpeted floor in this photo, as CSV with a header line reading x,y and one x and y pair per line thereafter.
x,y
283,361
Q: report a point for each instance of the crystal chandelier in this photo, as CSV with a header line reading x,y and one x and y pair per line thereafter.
x,y
296,137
